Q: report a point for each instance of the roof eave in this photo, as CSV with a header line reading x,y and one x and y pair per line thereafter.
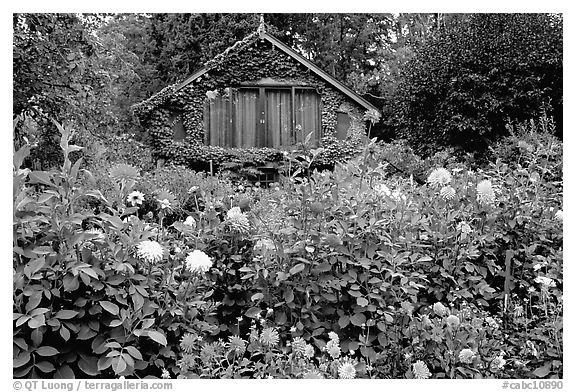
x,y
334,82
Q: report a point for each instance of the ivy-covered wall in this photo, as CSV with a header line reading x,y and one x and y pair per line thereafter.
x,y
249,60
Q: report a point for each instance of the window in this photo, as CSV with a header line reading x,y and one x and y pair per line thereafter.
x,y
178,129
263,117
342,125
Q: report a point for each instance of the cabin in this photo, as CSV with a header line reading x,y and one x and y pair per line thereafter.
x,y
252,102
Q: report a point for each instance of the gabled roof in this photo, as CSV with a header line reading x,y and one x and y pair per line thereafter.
x,y
290,52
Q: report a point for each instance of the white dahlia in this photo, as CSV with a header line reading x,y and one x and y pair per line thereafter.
x,y
439,176
198,261
346,370
447,192
136,198
150,251
420,370
485,193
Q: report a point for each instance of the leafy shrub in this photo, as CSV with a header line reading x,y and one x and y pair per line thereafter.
x,y
374,274
86,303
480,70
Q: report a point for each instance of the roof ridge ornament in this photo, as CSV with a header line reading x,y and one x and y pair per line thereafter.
x,y
262,27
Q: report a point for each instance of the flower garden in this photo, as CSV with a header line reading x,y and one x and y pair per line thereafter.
x,y
359,272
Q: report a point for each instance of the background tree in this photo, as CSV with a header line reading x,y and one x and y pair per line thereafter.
x,y
56,76
478,72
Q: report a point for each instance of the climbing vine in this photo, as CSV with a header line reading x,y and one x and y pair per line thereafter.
x,y
249,60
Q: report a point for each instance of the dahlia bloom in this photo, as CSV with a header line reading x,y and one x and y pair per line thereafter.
x,y
491,322
208,352
466,356
269,337
198,261
187,343
150,251
439,176
299,346
498,362
100,236
398,197
164,203
190,221
440,309
237,220
464,228
309,351
545,281
135,198
453,321
447,192
485,193
124,173
236,344
420,370
382,190
559,215
264,245
333,349
346,370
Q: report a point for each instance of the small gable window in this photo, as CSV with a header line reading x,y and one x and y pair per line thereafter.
x,y
342,125
178,129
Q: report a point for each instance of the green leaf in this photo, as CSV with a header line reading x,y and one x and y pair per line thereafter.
x,y
543,371
90,272
65,333
104,363
118,364
46,351
362,301
37,321
110,307
253,312
66,314
45,197
358,319
21,359
157,337
64,372
45,366
37,335
22,320
297,268
289,295
343,321
89,365
134,352
37,311
115,323
33,301
40,177
257,297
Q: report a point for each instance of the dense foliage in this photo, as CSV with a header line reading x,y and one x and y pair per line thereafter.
x,y
470,78
351,273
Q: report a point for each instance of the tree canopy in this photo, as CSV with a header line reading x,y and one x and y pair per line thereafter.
x,y
440,79
476,74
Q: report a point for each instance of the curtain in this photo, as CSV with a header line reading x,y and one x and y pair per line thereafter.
x,y
238,122
246,118
307,115
278,118
218,125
